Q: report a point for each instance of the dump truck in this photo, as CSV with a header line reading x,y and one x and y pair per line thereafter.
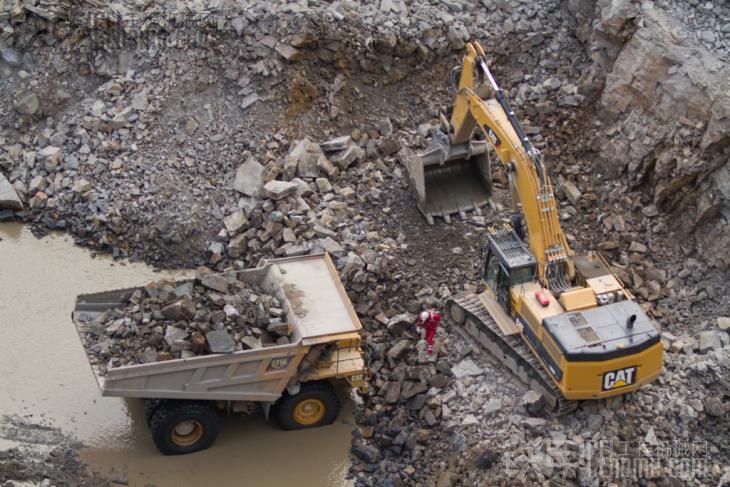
x,y
294,382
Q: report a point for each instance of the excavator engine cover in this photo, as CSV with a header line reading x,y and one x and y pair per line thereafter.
x,y
448,179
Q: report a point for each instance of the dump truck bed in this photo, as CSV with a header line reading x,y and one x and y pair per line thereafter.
x,y
315,303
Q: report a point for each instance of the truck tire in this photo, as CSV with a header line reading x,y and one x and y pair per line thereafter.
x,y
316,404
150,406
180,427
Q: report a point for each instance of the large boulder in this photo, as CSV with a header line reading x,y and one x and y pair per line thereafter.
x,y
8,197
249,178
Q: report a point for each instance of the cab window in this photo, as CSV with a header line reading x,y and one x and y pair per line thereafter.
x,y
491,268
521,275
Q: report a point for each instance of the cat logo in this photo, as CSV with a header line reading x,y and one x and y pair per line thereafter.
x,y
616,379
493,137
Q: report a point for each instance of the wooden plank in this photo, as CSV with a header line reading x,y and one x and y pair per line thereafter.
x,y
505,323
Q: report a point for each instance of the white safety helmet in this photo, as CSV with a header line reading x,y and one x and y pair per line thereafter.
x,y
424,315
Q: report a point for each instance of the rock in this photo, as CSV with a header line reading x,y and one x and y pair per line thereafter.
x,y
295,250
492,406
323,185
249,100
182,309
353,263
279,327
389,145
249,178
392,392
397,350
438,380
723,322
82,186
288,52
712,340
235,222
637,247
214,281
8,197
466,368
571,192
366,453
534,402
237,246
175,337
650,437
327,167
239,24
455,40
595,421
149,355
337,144
220,341
288,235
139,101
714,406
277,190
400,323
304,160
10,55
230,311
347,157
330,245
411,389
51,156
251,343
430,418
38,183
27,104
39,200
543,463
536,425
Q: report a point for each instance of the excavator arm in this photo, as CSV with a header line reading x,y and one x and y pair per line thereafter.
x,y
530,183
497,121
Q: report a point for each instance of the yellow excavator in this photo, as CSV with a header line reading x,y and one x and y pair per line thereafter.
x,y
564,323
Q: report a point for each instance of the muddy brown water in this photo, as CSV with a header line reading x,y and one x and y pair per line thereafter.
x,y
45,374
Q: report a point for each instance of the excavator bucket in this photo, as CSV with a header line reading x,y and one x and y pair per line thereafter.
x,y
448,179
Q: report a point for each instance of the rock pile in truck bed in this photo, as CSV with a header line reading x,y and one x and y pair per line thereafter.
x,y
165,320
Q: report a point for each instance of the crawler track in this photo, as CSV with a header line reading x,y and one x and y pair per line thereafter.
x,y
510,350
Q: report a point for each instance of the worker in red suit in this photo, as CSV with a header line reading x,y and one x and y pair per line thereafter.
x,y
429,321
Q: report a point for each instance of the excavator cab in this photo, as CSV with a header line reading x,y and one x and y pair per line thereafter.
x,y
508,263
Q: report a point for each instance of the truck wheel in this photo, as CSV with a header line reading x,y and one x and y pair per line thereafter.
x,y
180,427
316,404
